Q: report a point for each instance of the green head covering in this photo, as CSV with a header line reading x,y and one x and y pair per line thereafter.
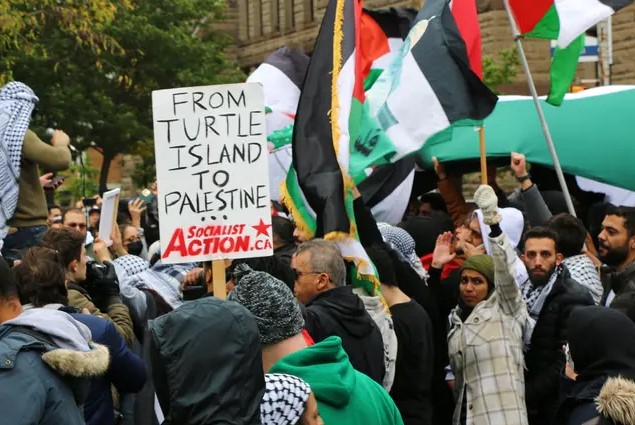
x,y
482,264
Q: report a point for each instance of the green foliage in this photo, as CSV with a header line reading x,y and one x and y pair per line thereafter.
x,y
501,71
82,182
102,96
145,172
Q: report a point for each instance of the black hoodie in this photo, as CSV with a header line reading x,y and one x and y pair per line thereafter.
x,y
602,345
340,312
207,364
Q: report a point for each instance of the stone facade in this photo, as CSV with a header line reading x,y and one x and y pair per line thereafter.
x,y
258,27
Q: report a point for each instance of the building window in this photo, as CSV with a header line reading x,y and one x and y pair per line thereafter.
x,y
275,15
243,28
289,14
309,11
256,18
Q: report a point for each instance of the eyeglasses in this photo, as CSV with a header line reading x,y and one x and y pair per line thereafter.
x,y
298,273
76,225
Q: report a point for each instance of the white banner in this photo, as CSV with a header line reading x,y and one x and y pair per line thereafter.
x,y
212,172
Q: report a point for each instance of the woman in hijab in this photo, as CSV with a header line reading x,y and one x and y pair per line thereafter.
x,y
485,342
600,367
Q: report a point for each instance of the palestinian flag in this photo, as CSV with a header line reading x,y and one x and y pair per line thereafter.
x,y
381,37
565,21
281,76
466,18
318,191
427,87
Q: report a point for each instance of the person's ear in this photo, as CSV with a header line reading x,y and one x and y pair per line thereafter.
x,y
632,243
559,258
323,282
72,267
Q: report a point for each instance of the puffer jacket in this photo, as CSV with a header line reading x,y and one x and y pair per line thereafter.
x,y
207,364
45,369
544,359
486,350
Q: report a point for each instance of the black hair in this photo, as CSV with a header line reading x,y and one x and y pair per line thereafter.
x,y
571,233
542,233
8,287
41,278
383,264
282,228
435,200
628,214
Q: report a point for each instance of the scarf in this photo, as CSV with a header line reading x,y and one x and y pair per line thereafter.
x,y
401,241
536,295
17,102
134,271
284,400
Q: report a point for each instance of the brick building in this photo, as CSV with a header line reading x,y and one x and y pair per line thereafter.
x,y
258,27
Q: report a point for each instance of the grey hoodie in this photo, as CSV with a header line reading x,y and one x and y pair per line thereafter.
x,y
64,331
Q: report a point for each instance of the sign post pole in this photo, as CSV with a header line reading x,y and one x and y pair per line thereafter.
x,y
218,279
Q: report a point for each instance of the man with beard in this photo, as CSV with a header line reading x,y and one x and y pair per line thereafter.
x,y
617,250
550,294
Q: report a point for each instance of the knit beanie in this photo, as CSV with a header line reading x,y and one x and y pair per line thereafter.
x,y
482,264
270,301
285,399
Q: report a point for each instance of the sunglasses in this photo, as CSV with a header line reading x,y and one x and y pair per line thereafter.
x,y
296,274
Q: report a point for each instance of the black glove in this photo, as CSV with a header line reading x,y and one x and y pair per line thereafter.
x,y
102,285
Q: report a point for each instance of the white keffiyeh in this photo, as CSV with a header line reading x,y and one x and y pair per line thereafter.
x,y
284,400
404,244
16,105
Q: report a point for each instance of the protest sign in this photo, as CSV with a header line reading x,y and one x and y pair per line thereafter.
x,y
212,172
108,218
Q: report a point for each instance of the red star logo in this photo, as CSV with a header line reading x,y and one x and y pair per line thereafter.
x,y
262,228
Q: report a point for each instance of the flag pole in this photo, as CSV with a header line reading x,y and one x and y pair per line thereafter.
x,y
541,114
481,142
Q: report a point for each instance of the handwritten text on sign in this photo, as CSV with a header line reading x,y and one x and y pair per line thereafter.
x,y
212,172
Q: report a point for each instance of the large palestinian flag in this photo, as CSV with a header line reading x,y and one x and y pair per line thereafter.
x,y
317,190
426,88
567,22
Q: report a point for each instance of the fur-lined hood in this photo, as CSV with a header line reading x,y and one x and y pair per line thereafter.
x,y
65,344
617,401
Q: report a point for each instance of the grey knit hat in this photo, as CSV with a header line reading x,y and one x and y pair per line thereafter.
x,y
271,302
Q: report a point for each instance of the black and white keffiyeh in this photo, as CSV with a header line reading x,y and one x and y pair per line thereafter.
x,y
404,244
135,271
284,400
536,295
17,101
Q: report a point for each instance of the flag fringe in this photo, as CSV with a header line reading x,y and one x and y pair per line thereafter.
x,y
298,220
359,262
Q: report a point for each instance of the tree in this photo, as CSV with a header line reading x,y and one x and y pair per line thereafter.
x,y
503,71
26,24
105,100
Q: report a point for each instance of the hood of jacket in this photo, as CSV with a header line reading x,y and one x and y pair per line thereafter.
x,y
210,352
425,229
617,401
602,343
326,368
71,353
347,309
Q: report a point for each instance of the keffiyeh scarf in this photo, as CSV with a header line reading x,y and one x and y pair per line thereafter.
x,y
284,400
135,271
535,295
16,105
401,241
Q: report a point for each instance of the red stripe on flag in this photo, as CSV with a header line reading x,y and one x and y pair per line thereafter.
x,y
466,17
373,43
358,90
529,13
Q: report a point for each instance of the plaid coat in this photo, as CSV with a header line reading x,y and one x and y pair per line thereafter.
x,y
486,351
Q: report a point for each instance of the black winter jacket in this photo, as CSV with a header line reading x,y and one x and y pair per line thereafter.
x,y
545,360
207,364
340,312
